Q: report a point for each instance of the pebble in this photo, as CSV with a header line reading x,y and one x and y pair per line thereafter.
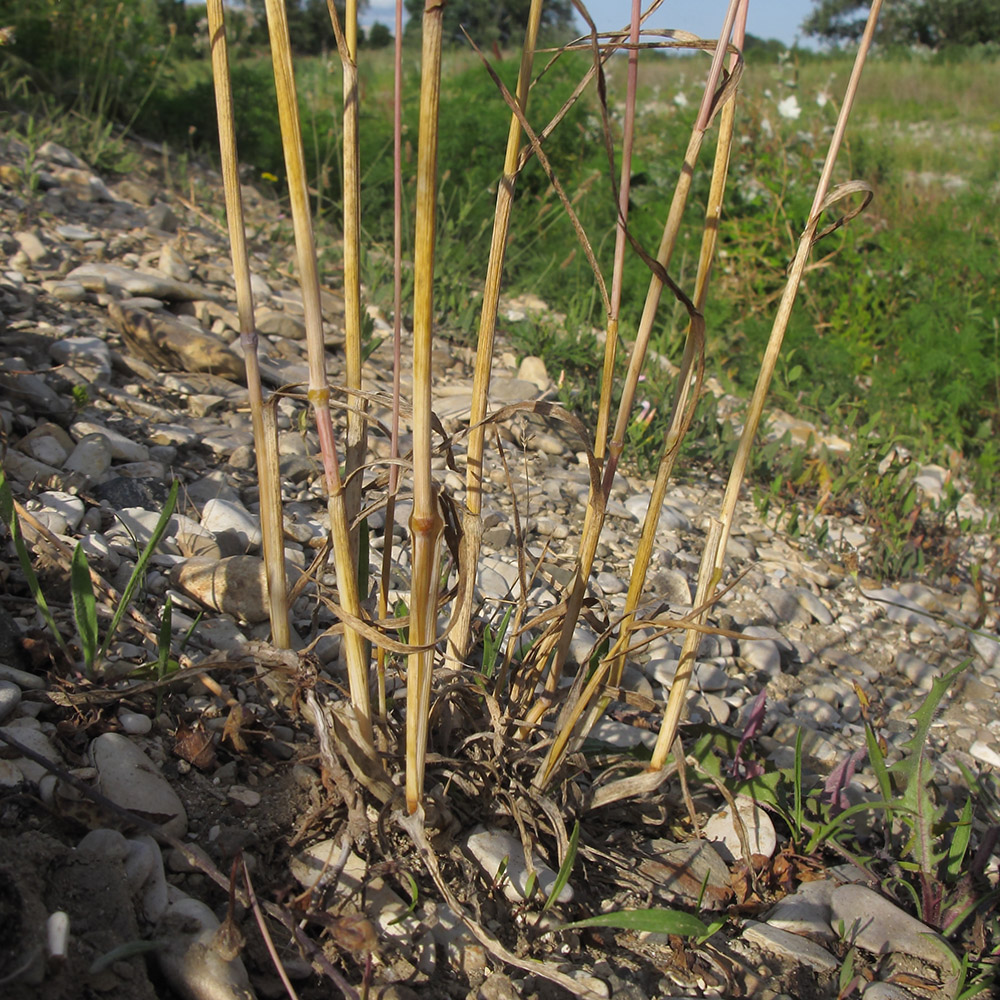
x,y
10,698
31,737
721,830
806,911
92,456
236,585
122,448
493,848
131,780
234,527
135,723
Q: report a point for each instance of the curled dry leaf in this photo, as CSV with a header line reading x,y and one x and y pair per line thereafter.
x,y
194,744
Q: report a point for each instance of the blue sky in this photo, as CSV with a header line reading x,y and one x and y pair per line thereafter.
x,y
767,19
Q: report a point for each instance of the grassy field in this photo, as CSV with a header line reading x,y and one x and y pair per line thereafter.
x,y
896,324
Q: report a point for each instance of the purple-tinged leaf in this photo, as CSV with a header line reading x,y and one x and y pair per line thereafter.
x,y
840,778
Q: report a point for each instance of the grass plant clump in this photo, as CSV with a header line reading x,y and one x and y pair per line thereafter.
x,y
526,712
495,723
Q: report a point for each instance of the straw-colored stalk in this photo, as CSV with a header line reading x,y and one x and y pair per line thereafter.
x,y
265,433
594,523
618,268
319,390
458,641
713,556
357,436
426,524
397,336
592,704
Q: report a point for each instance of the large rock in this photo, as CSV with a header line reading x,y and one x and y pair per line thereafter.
x,y
99,277
236,586
168,343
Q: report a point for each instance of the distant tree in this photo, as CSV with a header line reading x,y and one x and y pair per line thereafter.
x,y
934,23
379,36
766,47
309,28
489,21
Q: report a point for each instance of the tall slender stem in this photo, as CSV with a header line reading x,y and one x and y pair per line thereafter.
x,y
264,433
319,390
714,554
458,643
426,524
618,270
357,443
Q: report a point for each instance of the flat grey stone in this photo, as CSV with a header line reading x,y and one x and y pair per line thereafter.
x,y
67,505
900,609
101,277
22,678
34,739
761,654
886,991
816,608
987,647
235,528
122,448
877,925
806,911
721,830
90,356
790,947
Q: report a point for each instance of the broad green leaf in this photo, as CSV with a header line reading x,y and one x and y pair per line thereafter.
x,y
84,607
915,771
960,841
657,921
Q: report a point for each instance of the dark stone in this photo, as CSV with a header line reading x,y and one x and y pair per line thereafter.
x,y
121,492
11,648
161,216
298,468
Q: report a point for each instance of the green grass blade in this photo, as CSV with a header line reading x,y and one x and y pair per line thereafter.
x,y
657,921
140,566
163,648
562,876
84,607
829,829
797,813
9,517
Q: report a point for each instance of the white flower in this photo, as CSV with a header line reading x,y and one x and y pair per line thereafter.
x,y
765,127
822,98
789,107
680,99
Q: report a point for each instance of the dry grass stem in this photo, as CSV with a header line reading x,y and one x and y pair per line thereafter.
x,y
458,642
319,391
426,524
264,432
594,521
357,426
713,556
618,268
